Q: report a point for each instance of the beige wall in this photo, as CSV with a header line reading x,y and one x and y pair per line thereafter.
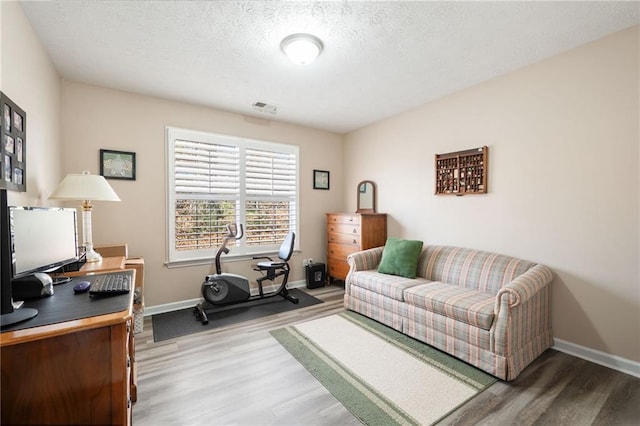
x,y
31,81
95,118
563,136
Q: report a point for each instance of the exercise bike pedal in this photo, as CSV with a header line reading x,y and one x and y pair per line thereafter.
x,y
200,314
289,297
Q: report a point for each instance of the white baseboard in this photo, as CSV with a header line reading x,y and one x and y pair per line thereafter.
x,y
183,304
614,362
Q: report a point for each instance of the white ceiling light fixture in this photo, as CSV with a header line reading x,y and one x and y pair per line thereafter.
x,y
302,48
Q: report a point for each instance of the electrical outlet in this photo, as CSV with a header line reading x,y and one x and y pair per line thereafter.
x,y
305,262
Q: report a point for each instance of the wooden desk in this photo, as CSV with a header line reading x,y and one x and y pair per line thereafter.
x,y
106,264
77,371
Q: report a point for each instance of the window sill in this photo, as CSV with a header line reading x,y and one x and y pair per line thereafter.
x,y
226,258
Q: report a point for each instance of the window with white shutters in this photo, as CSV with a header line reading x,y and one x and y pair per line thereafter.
x,y
216,180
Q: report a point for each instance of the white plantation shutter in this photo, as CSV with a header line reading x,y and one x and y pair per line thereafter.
x,y
271,174
271,183
205,168
215,180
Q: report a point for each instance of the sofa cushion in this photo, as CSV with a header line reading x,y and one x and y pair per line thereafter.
x,y
400,257
462,304
483,271
387,285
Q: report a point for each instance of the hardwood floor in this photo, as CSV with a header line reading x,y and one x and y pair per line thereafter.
x,y
239,375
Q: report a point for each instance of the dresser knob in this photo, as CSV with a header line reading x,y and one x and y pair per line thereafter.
x,y
354,241
355,231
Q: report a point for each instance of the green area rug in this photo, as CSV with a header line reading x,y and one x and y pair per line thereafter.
x,y
383,377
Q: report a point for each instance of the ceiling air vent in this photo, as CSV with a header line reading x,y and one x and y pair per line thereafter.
x,y
266,108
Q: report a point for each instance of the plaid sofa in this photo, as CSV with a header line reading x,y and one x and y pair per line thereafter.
x,y
490,310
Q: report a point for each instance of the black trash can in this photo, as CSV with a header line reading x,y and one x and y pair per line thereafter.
x,y
316,275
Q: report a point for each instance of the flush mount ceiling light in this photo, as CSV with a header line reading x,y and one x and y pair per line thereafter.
x,y
301,48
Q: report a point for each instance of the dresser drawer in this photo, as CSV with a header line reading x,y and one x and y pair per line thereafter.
x,y
343,228
338,269
341,251
343,218
334,237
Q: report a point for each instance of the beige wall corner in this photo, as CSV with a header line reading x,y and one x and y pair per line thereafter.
x,y
31,81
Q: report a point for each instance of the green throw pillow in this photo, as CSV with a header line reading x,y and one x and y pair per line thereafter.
x,y
400,257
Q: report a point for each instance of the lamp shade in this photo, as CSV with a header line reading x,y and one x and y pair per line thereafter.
x,y
85,187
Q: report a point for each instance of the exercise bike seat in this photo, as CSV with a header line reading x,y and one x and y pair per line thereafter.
x,y
270,264
284,254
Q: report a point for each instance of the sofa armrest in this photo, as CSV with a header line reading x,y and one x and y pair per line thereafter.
x,y
523,318
523,287
364,260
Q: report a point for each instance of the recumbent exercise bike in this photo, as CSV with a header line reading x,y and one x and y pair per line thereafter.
x,y
222,289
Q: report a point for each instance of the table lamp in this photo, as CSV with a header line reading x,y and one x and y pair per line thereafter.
x,y
85,187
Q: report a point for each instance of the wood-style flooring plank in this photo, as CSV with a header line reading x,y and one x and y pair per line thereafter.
x,y
240,375
234,375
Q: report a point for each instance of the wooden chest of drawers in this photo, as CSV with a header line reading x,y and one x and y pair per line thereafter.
x,y
351,232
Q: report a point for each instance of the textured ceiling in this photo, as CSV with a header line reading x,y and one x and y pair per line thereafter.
x,y
380,58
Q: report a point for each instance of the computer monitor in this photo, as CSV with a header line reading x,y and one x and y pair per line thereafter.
x,y
34,239
43,239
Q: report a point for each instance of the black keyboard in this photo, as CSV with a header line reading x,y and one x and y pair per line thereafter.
x,y
110,284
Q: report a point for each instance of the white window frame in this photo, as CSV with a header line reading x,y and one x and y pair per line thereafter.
x,y
238,250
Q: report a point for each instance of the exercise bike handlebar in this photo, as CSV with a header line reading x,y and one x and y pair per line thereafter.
x,y
232,234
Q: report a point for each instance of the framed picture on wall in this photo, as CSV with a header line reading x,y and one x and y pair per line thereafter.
x,y
6,117
19,155
17,120
9,144
320,179
118,164
13,154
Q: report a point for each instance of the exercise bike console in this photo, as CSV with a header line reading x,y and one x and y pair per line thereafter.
x,y
227,289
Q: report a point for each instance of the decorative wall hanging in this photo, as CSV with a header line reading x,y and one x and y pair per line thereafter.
x,y
118,164
462,172
13,152
320,179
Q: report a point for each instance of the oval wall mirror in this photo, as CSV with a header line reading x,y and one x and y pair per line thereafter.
x,y
366,197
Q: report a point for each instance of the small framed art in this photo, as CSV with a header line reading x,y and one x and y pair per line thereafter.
x,y
320,179
118,164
